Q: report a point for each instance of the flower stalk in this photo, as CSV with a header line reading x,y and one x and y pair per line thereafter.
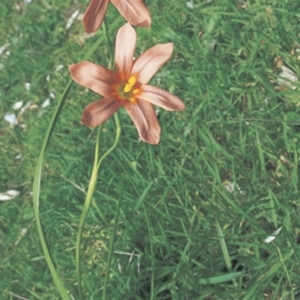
x,y
89,196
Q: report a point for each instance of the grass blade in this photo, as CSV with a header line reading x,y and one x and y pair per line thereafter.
x,y
221,278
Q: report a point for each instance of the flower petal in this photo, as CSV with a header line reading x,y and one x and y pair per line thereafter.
x,y
134,11
94,77
94,15
147,64
99,111
145,120
161,98
125,46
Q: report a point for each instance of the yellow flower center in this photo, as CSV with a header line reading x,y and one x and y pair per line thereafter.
x,y
129,88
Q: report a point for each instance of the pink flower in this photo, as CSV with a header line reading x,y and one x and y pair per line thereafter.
x,y
134,11
127,86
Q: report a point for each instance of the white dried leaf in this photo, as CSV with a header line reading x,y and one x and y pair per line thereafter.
x,y
27,86
273,236
9,195
18,105
287,78
22,233
72,19
45,103
23,126
190,4
2,49
231,187
25,107
58,68
11,118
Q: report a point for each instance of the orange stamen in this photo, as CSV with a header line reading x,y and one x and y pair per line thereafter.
x,y
129,88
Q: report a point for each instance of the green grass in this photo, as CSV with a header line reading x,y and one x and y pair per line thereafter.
x,y
181,234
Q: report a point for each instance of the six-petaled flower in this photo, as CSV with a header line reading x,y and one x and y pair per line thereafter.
x,y
127,86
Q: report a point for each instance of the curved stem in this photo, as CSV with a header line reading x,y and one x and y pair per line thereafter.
x,y
38,174
111,246
36,193
84,212
105,29
151,251
118,133
89,197
37,181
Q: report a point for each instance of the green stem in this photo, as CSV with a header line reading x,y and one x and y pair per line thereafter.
x,y
38,174
111,246
105,29
37,181
36,192
89,197
110,46
151,251
84,212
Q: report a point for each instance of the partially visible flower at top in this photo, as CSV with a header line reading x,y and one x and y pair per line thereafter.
x,y
127,86
134,11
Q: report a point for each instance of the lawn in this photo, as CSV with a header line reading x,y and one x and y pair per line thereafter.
x,y
210,213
